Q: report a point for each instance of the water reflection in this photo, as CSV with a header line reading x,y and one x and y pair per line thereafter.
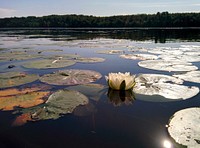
x,y
167,144
120,97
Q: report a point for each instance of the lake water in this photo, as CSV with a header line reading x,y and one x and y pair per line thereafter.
x,y
106,122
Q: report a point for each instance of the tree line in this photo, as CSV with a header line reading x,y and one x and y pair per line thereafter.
x,y
160,19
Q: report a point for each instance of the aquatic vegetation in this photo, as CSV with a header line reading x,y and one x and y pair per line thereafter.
x,y
60,103
167,65
120,81
192,76
17,55
62,57
10,79
162,87
139,56
47,63
184,127
89,60
27,89
110,51
71,77
23,100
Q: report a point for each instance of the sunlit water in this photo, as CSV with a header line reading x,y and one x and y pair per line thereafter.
x,y
138,124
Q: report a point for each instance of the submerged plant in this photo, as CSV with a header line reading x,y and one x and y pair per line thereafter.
x,y
120,81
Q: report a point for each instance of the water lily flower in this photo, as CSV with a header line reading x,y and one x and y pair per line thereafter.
x,y
120,81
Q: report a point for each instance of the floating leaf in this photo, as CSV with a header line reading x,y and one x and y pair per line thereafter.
x,y
110,51
22,119
139,56
47,63
24,100
63,57
192,76
159,86
184,58
89,60
184,127
15,91
17,55
10,79
167,65
93,91
71,77
59,103
156,78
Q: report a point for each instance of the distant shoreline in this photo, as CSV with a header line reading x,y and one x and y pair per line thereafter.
x,y
163,20
100,28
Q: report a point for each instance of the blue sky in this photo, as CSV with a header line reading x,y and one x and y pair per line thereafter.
x,y
10,8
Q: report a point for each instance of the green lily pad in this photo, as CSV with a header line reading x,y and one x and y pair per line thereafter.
x,y
60,103
71,77
167,65
62,57
184,127
11,79
47,63
17,55
89,60
93,91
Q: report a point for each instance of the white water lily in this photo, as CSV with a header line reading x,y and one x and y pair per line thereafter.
x,y
120,81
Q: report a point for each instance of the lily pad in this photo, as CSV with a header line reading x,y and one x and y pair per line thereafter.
x,y
157,78
110,51
89,60
192,76
184,58
17,55
93,91
60,103
45,64
164,87
16,91
63,57
24,100
167,65
139,56
71,77
10,79
184,127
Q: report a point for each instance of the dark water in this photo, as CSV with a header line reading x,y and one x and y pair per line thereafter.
x,y
141,124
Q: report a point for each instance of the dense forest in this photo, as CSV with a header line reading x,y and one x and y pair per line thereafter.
x,y
163,19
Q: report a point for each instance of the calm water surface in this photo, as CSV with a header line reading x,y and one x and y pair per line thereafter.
x,y
140,124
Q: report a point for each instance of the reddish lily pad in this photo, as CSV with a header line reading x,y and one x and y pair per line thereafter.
x,y
24,100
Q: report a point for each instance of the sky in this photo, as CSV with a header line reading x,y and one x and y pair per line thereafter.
x,y
19,8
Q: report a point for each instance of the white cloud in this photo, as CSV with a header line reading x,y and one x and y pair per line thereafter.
x,y
6,12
